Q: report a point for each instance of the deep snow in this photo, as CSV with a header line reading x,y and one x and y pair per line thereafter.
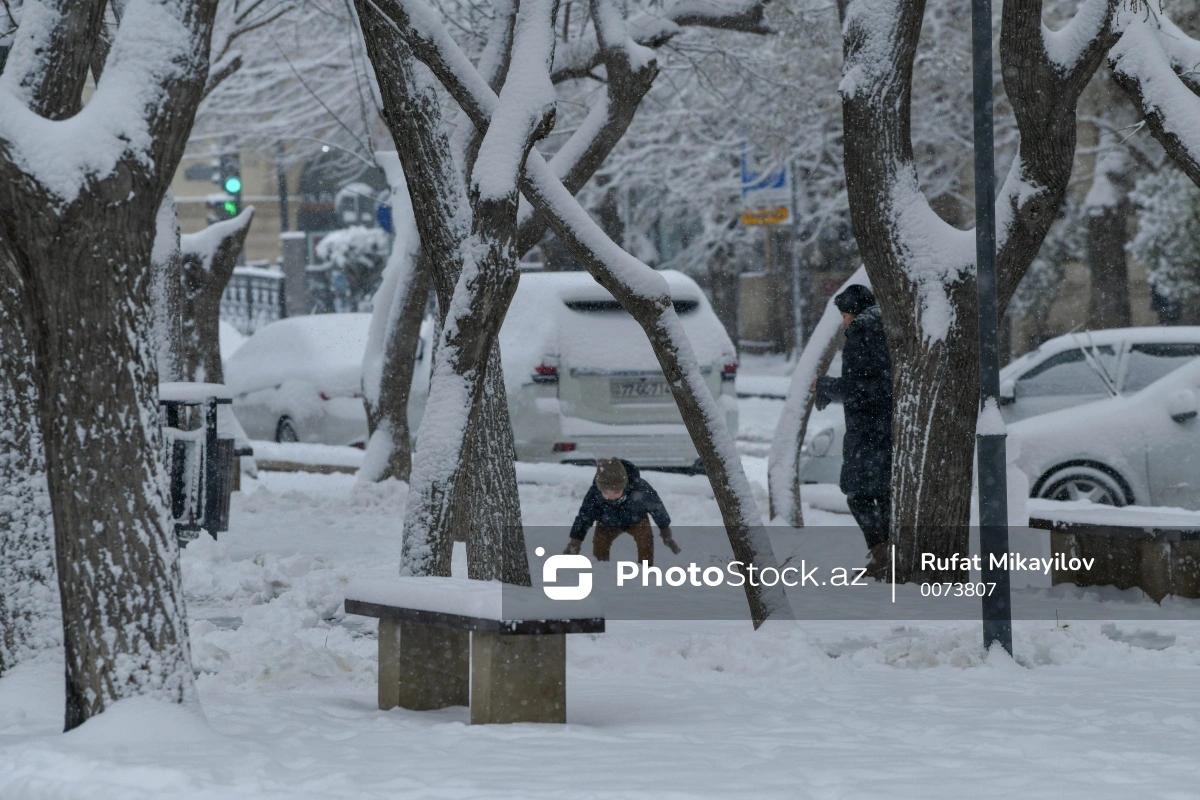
x,y
822,709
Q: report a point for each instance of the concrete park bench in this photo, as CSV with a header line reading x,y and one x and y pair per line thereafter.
x,y
1154,549
451,641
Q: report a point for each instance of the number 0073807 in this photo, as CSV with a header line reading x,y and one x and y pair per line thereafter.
x,y
957,589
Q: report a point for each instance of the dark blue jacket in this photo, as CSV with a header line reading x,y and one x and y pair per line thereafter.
x,y
639,501
865,389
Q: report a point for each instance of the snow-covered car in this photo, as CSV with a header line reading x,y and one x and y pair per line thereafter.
x,y
1062,372
583,382
581,378
1142,448
300,380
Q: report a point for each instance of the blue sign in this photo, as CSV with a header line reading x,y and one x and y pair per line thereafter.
x,y
383,216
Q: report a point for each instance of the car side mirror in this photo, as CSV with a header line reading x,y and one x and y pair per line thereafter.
x,y
1183,405
1008,392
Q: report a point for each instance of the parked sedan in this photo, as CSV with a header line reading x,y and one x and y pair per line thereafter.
x,y
1063,372
300,380
1142,448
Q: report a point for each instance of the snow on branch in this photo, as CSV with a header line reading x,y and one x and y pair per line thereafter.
x,y
1079,41
746,16
579,58
631,69
204,244
526,110
46,69
1145,68
159,45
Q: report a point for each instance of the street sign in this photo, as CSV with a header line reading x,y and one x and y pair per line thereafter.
x,y
766,195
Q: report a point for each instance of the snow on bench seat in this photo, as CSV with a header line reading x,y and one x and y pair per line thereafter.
x,y
1138,521
486,606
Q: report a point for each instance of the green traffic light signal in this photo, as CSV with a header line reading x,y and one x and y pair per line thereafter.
x,y
233,184
231,208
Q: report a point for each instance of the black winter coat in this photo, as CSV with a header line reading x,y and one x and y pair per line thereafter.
x,y
865,390
639,501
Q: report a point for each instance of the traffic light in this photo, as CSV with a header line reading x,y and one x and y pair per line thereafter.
x,y
227,173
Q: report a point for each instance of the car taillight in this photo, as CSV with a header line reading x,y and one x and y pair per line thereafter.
x,y
563,447
545,373
729,371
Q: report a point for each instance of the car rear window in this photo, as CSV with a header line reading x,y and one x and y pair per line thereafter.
x,y
1149,362
1067,373
612,306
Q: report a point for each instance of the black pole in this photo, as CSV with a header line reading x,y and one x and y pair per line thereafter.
x,y
993,487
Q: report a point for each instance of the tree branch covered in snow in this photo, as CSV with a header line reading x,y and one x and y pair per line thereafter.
x,y
639,289
1155,63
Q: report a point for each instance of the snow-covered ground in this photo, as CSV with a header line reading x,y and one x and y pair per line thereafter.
x,y
821,709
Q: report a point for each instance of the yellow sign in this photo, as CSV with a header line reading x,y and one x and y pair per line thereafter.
x,y
765,216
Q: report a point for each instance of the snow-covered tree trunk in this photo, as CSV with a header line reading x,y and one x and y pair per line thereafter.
x,y
29,612
80,193
921,268
207,259
485,508
390,358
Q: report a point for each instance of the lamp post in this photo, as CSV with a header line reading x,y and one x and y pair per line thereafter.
x,y
990,435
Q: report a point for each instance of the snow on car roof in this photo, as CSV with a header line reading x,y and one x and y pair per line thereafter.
x,y
582,287
541,323
1104,336
324,349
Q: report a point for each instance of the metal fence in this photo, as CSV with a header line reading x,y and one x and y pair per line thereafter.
x,y
254,297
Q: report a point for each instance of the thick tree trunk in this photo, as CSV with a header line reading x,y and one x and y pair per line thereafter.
x,y
488,499
936,397
82,246
123,616
29,609
207,261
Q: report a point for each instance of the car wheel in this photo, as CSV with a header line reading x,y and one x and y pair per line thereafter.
x,y
1083,482
285,432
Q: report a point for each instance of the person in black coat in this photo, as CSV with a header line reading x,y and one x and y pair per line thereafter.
x,y
620,501
865,391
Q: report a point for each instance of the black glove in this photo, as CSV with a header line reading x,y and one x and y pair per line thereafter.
x,y
572,548
669,540
824,392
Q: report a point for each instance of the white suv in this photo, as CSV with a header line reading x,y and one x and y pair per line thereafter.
x,y
1065,371
583,382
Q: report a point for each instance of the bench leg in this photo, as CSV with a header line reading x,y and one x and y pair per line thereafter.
x,y
1155,577
421,667
518,678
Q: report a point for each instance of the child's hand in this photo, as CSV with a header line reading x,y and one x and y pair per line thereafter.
x,y
572,548
669,540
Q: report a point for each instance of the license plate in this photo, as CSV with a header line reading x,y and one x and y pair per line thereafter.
x,y
628,390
